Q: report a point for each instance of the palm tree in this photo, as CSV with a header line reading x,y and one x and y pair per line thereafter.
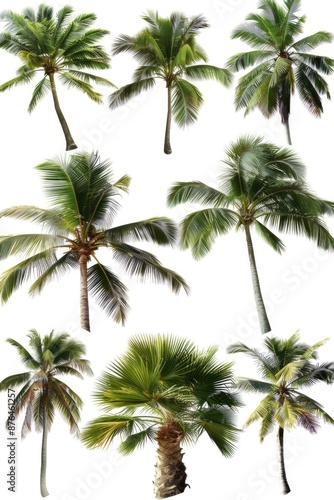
x,y
78,223
166,391
287,366
167,50
55,45
282,63
42,392
261,183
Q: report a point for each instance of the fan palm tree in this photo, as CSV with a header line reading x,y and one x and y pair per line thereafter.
x,y
166,391
55,45
78,223
167,50
288,366
282,62
261,184
42,392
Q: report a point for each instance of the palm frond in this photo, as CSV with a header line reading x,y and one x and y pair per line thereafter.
x,y
186,101
144,265
109,292
127,92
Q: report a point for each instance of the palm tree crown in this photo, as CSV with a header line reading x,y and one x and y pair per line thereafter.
x,y
287,366
167,391
260,185
55,45
282,63
83,208
168,50
42,392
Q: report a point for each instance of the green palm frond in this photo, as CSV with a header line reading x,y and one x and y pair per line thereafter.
x,y
41,89
159,230
109,292
68,79
200,229
55,269
138,440
101,431
195,192
312,41
208,72
186,101
26,244
14,380
125,93
269,237
143,264
51,220
15,276
244,60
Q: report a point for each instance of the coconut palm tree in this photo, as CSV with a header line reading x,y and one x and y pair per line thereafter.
x,y
55,45
167,50
165,390
79,222
42,393
287,366
261,185
282,62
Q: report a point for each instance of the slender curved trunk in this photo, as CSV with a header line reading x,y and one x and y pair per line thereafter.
x,y
167,146
286,487
84,305
287,128
261,310
43,487
70,144
170,475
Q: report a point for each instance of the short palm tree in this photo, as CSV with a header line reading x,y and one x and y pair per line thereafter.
x,y
42,392
260,185
282,63
55,45
287,366
79,222
165,390
168,50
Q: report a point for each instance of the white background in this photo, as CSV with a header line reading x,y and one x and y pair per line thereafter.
x,y
297,286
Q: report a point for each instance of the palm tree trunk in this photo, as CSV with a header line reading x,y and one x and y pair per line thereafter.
x,y
84,305
170,475
286,487
43,487
167,146
70,144
287,128
261,310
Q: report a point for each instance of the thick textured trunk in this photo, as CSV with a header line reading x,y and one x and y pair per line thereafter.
x,y
170,475
70,144
43,487
167,146
286,487
261,310
84,305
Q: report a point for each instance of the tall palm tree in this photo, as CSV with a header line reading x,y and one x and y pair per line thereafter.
x,y
79,222
287,366
282,62
55,45
42,393
260,185
168,50
166,391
